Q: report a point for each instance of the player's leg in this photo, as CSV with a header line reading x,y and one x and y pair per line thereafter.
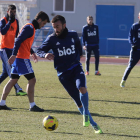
x,y
88,55
4,59
5,55
25,68
133,60
67,79
97,55
96,127
81,85
69,84
30,86
4,74
70,87
6,91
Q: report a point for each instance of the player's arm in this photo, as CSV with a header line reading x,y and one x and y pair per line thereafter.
x,y
78,45
4,27
26,32
33,55
84,38
131,35
17,31
98,34
32,51
44,48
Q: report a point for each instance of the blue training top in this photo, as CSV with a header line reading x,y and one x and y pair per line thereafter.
x,y
90,35
67,50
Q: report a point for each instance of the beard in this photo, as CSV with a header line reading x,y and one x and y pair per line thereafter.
x,y
59,33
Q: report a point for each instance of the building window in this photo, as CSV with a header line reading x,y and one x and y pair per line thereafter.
x,y
58,5
64,6
69,5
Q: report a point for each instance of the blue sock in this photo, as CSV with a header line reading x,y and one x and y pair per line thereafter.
x,y
84,100
91,119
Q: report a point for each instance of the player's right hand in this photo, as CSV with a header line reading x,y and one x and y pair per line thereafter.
x,y
134,48
12,18
49,56
84,47
11,59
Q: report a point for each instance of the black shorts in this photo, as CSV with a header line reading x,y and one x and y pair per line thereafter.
x,y
27,76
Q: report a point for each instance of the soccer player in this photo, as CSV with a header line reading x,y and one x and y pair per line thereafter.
x,y
21,61
134,40
66,55
90,40
9,29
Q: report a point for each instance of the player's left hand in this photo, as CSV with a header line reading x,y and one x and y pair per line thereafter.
x,y
35,57
11,59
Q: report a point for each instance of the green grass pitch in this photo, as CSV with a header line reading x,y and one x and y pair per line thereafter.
x,y
115,109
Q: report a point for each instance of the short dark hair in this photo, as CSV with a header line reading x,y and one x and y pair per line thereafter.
x,y
43,16
11,7
90,17
57,18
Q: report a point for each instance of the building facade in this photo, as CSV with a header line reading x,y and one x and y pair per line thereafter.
x,y
114,18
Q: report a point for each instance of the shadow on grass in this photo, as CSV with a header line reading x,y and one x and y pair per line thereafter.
x,y
121,135
122,102
68,133
54,132
92,114
11,131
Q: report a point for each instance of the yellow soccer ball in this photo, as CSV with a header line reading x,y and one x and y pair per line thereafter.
x,y
50,123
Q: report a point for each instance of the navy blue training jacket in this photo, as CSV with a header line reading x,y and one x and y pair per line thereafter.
x,y
90,35
67,50
134,35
